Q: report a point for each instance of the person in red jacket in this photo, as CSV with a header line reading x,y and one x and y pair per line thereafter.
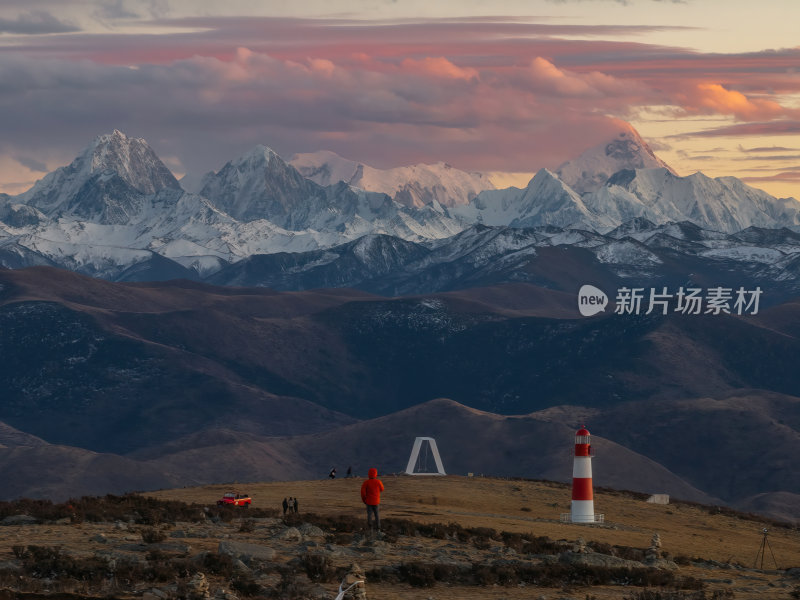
x,y
371,496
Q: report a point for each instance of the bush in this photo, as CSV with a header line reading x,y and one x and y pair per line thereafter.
x,y
678,595
247,526
218,564
418,574
341,539
317,567
140,509
423,574
246,586
290,586
151,535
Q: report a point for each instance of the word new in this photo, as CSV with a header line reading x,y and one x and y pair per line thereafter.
x,y
688,301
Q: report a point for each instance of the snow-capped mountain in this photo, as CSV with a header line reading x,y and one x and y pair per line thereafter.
x,y
638,253
415,185
116,212
724,204
260,185
113,208
545,201
105,183
627,150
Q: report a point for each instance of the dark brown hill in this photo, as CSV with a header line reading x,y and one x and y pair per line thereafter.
x,y
733,448
62,472
74,374
470,441
473,441
156,371
366,356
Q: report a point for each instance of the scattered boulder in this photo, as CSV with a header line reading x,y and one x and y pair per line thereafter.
x,y
290,534
245,552
311,531
595,559
19,520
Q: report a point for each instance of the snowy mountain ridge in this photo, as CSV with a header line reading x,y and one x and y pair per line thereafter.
x,y
413,186
117,206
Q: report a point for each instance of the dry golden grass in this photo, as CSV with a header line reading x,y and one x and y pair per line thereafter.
x,y
534,507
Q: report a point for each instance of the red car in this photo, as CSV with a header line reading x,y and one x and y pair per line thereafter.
x,y
234,499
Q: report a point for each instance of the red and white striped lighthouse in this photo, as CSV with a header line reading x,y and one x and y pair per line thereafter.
x,y
582,498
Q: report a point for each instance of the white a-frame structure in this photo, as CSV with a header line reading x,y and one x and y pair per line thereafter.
x,y
412,461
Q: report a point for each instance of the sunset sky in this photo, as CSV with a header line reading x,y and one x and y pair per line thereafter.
x,y
499,87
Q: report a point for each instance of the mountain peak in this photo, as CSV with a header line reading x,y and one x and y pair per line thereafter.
x,y
115,134
415,185
112,162
259,185
131,158
625,151
260,151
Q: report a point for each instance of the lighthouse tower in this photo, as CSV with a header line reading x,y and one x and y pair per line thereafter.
x,y
582,498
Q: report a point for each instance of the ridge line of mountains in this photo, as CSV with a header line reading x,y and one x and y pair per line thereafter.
x,y
118,213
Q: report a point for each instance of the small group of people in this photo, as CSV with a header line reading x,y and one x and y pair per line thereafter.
x,y
332,473
289,505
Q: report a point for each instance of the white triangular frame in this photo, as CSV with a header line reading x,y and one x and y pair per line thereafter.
x,y
415,455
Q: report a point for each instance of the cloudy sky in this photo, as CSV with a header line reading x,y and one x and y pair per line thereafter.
x,y
498,86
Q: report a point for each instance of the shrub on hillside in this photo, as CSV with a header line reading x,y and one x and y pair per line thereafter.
x,y
142,510
152,535
317,567
679,595
425,574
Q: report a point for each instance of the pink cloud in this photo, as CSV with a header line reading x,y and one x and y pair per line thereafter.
x,y
547,78
713,98
481,94
439,67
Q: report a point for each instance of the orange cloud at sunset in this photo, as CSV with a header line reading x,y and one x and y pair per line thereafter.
x,y
499,94
713,98
547,77
439,67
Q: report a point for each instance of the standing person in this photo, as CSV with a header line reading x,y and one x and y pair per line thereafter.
x,y
294,506
332,474
371,496
285,505
349,472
